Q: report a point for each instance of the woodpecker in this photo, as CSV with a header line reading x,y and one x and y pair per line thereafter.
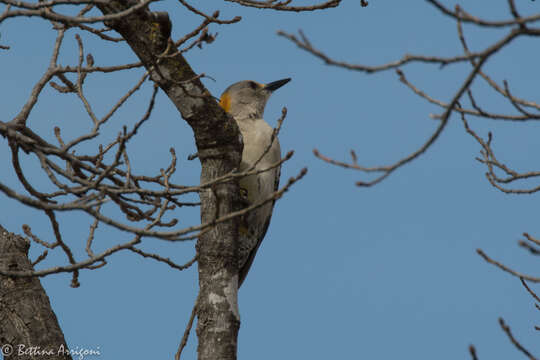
x,y
245,102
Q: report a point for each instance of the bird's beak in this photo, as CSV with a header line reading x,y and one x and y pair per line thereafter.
x,y
274,85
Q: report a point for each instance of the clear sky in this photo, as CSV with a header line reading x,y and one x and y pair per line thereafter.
x,y
388,272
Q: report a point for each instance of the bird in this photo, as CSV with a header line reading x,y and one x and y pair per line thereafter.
x,y
245,102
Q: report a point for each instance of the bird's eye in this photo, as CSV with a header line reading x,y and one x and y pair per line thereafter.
x,y
253,85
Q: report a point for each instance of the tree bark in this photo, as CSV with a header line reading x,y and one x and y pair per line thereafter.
x,y
28,326
219,146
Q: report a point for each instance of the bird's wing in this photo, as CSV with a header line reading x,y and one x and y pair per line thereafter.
x,y
245,269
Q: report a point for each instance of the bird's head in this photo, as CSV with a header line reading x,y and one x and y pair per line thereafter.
x,y
247,99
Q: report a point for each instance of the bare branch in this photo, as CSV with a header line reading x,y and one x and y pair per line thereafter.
x,y
489,159
533,294
185,337
210,19
45,13
283,5
472,351
461,15
163,259
520,347
507,269
304,44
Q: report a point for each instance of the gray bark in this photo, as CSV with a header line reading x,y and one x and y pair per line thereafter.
x,y
28,326
219,147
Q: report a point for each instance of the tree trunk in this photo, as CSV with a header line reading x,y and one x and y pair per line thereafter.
x,y
28,327
219,148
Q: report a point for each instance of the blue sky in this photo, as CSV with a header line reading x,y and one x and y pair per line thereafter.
x,y
344,272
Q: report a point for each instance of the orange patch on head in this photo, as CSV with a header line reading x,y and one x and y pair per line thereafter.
x,y
225,102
